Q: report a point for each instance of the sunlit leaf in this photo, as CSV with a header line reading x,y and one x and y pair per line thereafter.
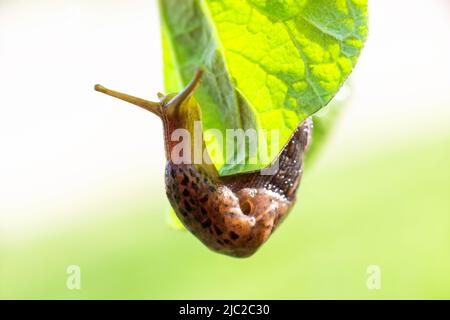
x,y
268,64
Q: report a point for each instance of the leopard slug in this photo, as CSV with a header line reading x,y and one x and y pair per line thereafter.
x,y
236,214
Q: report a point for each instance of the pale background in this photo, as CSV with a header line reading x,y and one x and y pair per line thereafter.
x,y
81,174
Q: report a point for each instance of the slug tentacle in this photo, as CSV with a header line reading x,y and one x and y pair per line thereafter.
x,y
153,107
236,214
188,91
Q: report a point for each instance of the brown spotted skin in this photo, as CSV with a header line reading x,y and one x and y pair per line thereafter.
x,y
235,215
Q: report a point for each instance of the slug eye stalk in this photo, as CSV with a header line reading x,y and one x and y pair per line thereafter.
x,y
153,107
156,108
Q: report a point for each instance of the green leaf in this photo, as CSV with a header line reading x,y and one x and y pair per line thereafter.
x,y
172,220
269,64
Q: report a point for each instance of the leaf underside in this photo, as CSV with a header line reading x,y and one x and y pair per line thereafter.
x,y
269,64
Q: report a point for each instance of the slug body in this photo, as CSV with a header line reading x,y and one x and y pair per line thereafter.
x,y
235,214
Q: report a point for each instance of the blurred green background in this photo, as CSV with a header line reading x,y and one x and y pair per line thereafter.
x,y
389,208
82,175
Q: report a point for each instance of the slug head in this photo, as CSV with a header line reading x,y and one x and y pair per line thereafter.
x,y
178,111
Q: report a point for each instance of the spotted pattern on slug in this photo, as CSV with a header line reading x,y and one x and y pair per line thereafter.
x,y
235,215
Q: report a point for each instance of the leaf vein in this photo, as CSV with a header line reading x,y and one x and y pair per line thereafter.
x,y
303,57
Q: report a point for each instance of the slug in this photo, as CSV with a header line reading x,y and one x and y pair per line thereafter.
x,y
232,215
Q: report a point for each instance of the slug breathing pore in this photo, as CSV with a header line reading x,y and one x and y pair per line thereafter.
x,y
235,214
